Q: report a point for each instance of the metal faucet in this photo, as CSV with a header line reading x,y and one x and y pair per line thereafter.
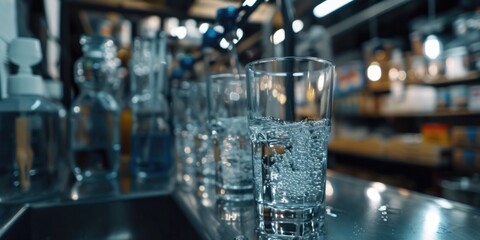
x,y
247,7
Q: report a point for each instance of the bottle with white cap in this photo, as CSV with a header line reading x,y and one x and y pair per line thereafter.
x,y
30,132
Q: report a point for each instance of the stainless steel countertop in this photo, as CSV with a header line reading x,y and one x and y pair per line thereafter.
x,y
356,209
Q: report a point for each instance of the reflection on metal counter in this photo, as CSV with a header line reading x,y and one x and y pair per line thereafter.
x,y
359,209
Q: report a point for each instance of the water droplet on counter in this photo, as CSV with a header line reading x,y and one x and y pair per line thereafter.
x,y
382,208
330,213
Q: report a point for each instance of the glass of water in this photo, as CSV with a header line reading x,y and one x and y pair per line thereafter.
x,y
289,102
203,150
231,143
184,136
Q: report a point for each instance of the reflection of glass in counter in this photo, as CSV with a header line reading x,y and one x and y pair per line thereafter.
x,y
228,123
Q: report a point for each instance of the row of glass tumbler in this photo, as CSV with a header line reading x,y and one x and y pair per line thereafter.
x,y
283,145
211,134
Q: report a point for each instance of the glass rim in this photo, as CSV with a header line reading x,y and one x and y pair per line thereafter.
x,y
272,59
220,75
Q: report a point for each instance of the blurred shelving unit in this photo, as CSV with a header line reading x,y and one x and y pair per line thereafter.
x,y
380,131
471,77
73,15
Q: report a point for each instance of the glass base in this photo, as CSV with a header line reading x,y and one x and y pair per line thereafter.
x,y
290,223
234,211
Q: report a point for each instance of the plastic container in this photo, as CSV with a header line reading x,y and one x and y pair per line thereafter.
x,y
30,131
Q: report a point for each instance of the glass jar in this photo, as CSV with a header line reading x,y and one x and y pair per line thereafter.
x,y
94,115
151,139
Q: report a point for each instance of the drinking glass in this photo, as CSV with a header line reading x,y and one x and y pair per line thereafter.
x,y
228,123
203,150
184,136
289,102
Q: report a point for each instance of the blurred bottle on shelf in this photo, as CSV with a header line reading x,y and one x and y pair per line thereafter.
x,y
94,115
151,139
397,74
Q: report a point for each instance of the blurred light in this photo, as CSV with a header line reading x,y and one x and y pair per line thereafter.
x,y
187,150
180,32
432,47
444,203
152,22
219,29
379,186
76,109
203,28
393,74
74,195
431,222
374,72
249,3
373,195
120,235
190,23
321,82
282,99
433,69
402,75
275,93
403,192
171,24
311,94
329,212
278,36
297,25
328,6
234,96
239,33
328,189
224,43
